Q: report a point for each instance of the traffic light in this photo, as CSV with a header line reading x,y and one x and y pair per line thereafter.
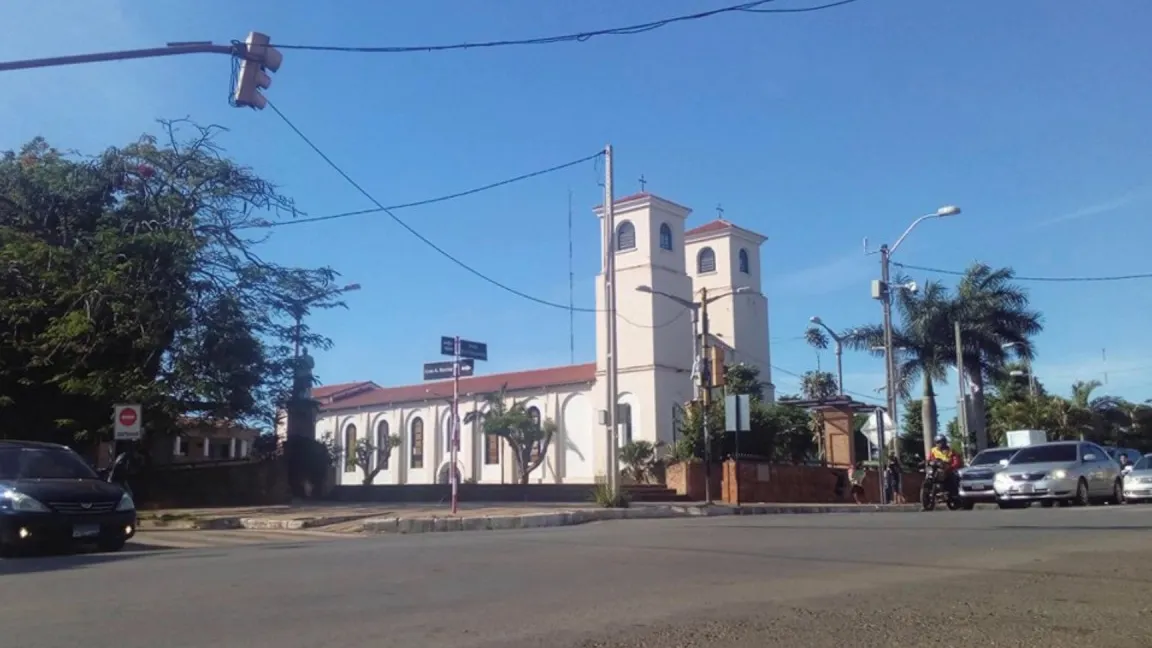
x,y
259,58
716,366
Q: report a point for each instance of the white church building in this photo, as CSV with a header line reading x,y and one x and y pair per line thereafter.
x,y
655,361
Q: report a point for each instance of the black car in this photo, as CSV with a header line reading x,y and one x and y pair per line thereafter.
x,y
50,497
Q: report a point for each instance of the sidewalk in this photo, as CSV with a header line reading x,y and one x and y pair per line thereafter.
x,y
423,518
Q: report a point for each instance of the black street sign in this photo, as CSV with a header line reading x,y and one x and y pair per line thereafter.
x,y
442,370
468,348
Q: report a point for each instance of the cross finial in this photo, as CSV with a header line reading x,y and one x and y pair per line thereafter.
x,y
719,211
643,183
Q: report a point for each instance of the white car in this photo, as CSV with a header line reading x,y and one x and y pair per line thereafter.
x,y
1065,472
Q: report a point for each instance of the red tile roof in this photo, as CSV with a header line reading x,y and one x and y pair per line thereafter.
x,y
516,381
718,225
341,389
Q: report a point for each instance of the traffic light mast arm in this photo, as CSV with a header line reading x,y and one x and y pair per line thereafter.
x,y
175,49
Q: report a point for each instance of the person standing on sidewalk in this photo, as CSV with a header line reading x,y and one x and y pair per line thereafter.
x,y
894,481
856,478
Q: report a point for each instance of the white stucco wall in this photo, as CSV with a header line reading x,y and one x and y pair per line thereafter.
x,y
570,446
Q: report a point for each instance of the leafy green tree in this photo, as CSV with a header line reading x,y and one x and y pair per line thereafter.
x,y
818,385
129,277
510,420
370,459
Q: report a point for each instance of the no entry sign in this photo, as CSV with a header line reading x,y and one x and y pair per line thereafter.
x,y
126,420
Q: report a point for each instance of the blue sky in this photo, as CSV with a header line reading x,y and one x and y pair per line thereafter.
x,y
816,130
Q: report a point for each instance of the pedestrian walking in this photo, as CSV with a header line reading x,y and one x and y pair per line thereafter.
x,y
894,482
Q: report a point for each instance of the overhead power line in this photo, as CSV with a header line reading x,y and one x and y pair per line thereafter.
x,y
754,7
399,221
960,273
427,201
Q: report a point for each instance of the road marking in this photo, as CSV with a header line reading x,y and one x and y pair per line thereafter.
x,y
146,540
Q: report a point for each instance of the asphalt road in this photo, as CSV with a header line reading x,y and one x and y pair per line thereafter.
x,y
1039,577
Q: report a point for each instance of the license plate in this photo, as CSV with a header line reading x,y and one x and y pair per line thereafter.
x,y
978,487
1024,488
85,530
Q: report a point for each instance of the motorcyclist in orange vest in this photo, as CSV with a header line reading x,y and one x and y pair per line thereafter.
x,y
950,462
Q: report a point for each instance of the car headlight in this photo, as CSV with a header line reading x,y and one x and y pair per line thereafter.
x,y
1058,474
126,503
15,501
1000,478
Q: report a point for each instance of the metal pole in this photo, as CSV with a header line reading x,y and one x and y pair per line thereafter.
x,y
962,412
889,351
454,430
610,303
1031,379
840,365
706,393
881,455
174,49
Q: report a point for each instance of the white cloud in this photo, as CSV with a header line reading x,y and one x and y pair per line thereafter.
x,y
1106,207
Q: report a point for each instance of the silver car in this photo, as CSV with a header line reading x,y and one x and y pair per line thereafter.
x,y
976,478
1138,482
1068,472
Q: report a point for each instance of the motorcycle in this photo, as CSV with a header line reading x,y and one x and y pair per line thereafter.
x,y
934,491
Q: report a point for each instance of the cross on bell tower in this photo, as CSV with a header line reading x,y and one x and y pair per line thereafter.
x,y
643,183
719,211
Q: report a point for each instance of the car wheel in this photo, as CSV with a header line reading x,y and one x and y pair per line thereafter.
x,y
1082,497
1117,493
1048,503
111,546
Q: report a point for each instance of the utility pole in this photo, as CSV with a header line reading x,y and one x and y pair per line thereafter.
x,y
610,304
889,350
706,393
962,412
454,433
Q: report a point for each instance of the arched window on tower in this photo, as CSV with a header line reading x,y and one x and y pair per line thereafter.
x,y
665,237
625,236
706,261
744,261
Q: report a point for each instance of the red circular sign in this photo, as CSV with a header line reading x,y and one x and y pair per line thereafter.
x,y
128,417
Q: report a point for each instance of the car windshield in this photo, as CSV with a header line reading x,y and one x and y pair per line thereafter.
x,y
992,457
1144,464
43,463
1063,453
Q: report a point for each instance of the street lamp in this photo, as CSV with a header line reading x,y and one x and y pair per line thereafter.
x,y
700,315
1020,350
885,297
298,307
839,350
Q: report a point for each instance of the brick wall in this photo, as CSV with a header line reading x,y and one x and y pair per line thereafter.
x,y
687,478
778,483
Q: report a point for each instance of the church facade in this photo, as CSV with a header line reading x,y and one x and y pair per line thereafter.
x,y
658,262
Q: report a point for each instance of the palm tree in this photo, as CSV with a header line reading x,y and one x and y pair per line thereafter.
x,y
510,420
818,385
637,458
995,321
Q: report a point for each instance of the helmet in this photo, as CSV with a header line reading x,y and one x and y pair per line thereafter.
x,y
942,440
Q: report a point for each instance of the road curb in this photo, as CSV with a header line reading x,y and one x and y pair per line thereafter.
x,y
434,524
